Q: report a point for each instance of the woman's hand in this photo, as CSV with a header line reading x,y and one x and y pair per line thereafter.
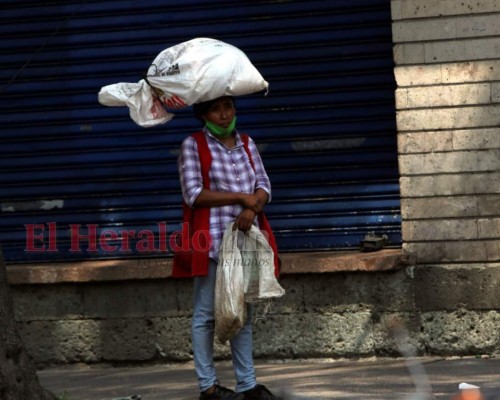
x,y
244,220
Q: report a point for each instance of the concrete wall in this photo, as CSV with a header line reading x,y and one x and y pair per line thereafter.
x,y
337,314
447,56
322,315
130,310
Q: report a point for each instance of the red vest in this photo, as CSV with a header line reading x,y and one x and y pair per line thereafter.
x,y
193,260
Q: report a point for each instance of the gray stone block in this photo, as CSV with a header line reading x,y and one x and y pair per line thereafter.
x,y
461,332
293,301
495,92
425,142
127,340
47,302
456,207
410,9
324,292
89,341
454,140
440,207
489,228
173,338
445,28
396,10
183,297
63,341
440,96
340,292
488,204
455,251
130,299
474,287
406,53
450,184
457,72
478,25
458,50
415,75
448,118
314,335
423,30
440,229
470,139
397,334
449,162
471,71
388,291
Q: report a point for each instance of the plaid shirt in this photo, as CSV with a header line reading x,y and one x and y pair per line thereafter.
x,y
230,171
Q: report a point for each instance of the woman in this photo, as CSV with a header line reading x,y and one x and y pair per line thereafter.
x,y
223,180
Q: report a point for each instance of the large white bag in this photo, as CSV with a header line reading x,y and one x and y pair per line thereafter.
x,y
198,70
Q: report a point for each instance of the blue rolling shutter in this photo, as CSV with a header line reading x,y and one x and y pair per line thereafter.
x,y
326,130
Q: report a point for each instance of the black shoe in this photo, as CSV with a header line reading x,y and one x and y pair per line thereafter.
x,y
221,393
260,392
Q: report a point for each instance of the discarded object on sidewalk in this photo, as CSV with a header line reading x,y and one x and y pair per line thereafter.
x,y
191,72
372,242
467,386
468,392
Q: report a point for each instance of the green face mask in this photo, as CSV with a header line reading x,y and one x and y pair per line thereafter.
x,y
220,131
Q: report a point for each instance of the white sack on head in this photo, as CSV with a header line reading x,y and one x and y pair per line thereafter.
x,y
199,70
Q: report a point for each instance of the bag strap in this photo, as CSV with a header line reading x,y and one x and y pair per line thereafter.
x,y
263,222
205,157
245,139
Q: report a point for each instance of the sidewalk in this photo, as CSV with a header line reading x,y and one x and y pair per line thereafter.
x,y
382,379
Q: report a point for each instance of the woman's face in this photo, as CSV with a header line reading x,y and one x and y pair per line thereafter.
x,y
221,112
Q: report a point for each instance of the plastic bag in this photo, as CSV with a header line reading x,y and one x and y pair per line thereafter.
x,y
198,70
144,108
229,308
245,274
257,257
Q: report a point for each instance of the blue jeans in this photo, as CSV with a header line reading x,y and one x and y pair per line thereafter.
x,y
202,332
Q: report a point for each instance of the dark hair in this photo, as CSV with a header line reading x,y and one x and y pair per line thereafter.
x,y
200,109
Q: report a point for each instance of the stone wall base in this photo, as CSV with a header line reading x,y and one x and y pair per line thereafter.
x,y
446,310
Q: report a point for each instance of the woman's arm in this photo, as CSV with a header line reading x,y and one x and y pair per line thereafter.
x,y
262,196
208,198
246,217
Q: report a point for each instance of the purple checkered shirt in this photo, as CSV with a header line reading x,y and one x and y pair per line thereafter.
x,y
230,171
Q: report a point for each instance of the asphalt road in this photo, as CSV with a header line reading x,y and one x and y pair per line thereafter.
x,y
385,379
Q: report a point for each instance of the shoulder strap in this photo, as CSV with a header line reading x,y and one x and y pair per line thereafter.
x,y
205,157
245,140
194,261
